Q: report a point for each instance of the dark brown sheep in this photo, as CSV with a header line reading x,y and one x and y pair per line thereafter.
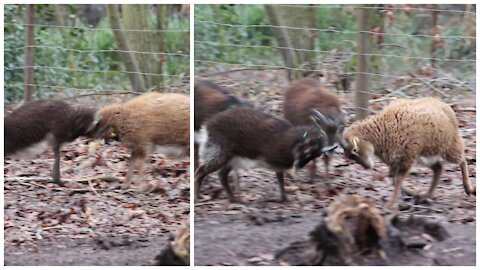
x,y
246,138
209,100
44,123
306,94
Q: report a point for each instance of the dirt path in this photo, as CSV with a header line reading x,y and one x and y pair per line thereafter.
x,y
65,251
236,240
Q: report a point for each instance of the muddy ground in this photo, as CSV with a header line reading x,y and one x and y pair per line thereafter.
x,y
251,232
91,222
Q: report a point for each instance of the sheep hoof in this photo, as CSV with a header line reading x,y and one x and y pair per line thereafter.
x,y
472,191
125,186
58,182
233,200
145,187
392,206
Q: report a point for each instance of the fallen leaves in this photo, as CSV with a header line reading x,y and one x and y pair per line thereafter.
x,y
39,211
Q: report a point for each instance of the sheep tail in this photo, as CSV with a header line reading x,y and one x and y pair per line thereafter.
x,y
466,181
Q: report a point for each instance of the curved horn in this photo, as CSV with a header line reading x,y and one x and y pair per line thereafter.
x,y
340,118
318,118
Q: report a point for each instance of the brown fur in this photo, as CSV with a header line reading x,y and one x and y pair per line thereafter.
x,y
210,99
306,94
404,131
31,123
247,133
147,120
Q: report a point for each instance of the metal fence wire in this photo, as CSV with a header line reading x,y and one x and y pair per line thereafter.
x,y
78,59
427,47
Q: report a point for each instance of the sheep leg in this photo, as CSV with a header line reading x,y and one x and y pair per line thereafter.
x,y
131,167
195,156
223,175
281,183
437,171
141,172
326,161
56,164
312,169
236,180
405,191
398,178
204,170
467,185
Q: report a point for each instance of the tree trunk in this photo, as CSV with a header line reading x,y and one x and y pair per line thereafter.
x,y
138,17
126,56
297,51
162,24
363,63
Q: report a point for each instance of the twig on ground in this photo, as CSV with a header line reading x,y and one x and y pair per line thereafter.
x,y
427,208
93,188
49,179
399,90
238,70
205,203
428,85
104,94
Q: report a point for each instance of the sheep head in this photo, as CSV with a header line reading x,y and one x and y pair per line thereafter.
x,y
333,128
360,150
103,125
312,145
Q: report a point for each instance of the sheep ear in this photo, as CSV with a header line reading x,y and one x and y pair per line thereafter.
x,y
318,118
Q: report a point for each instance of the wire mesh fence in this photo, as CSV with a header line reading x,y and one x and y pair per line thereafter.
x,y
414,50
74,57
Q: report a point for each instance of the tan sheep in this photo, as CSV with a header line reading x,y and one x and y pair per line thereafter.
x,y
405,132
146,121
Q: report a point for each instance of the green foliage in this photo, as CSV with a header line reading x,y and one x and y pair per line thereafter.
x,y
178,42
206,32
70,58
13,51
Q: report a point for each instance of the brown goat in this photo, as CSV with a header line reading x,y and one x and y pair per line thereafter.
x,y
210,99
47,123
145,121
405,132
305,95
246,138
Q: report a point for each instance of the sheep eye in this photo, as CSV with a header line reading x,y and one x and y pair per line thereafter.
x,y
355,151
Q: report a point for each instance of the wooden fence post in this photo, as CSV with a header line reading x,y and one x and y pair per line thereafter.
x,y
29,53
361,100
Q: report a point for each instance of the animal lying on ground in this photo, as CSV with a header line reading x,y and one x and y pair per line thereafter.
x,y
149,120
306,94
37,125
407,131
211,99
246,138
